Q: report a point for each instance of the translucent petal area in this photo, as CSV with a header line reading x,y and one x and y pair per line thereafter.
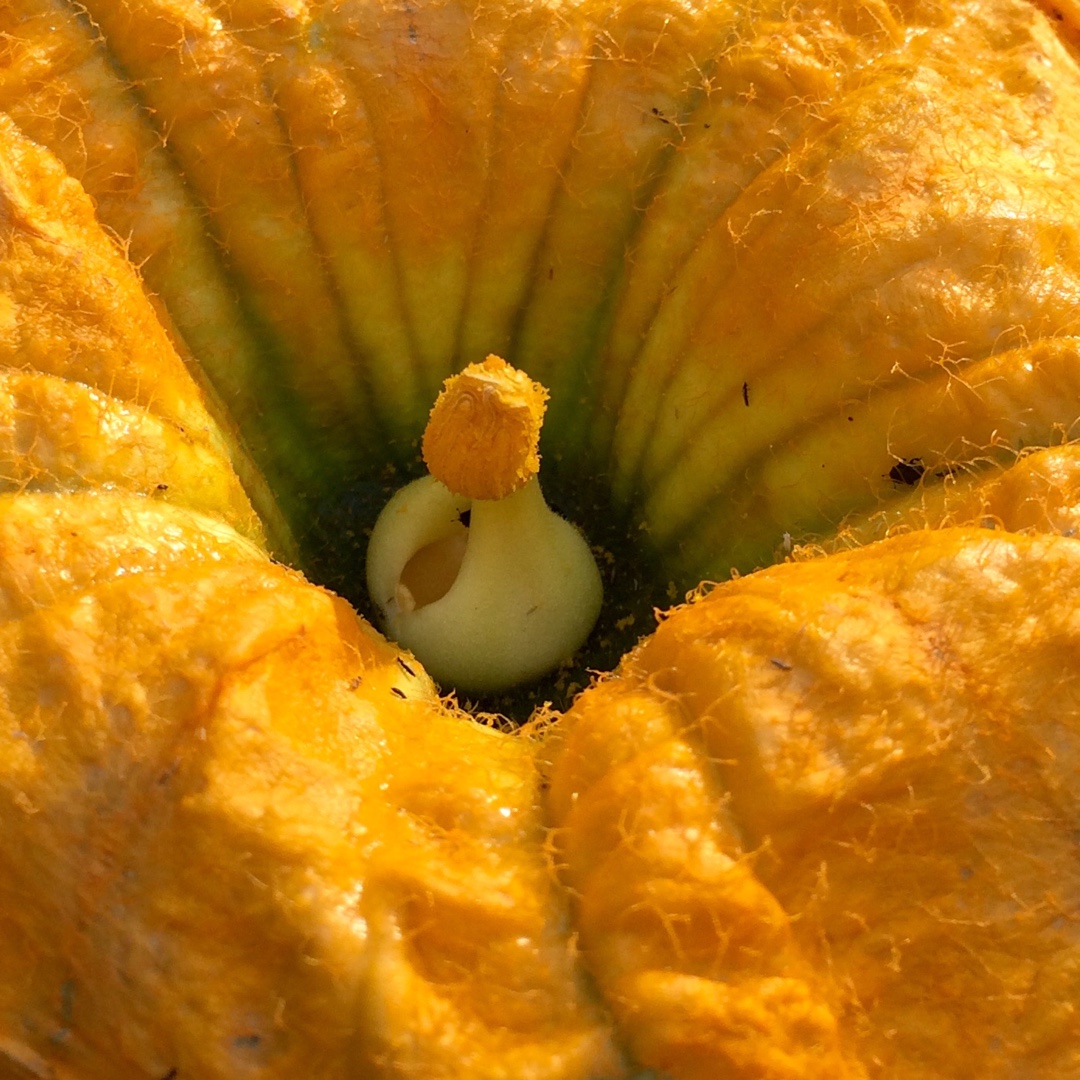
x,y
760,96
241,830
770,82
339,177
822,822
871,256
771,95
432,124
543,81
962,283
956,419
649,67
211,105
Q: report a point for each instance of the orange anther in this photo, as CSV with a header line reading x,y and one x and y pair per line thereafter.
x,y
482,436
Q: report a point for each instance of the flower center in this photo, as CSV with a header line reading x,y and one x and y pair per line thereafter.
x,y
508,597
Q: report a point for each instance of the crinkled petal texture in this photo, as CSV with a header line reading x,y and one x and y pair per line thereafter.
x,y
242,835
823,823
793,257
774,260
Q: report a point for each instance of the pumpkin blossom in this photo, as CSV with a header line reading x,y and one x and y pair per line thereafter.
x,y
781,279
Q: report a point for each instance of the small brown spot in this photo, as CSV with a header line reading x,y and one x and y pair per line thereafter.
x,y
405,667
398,692
746,394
